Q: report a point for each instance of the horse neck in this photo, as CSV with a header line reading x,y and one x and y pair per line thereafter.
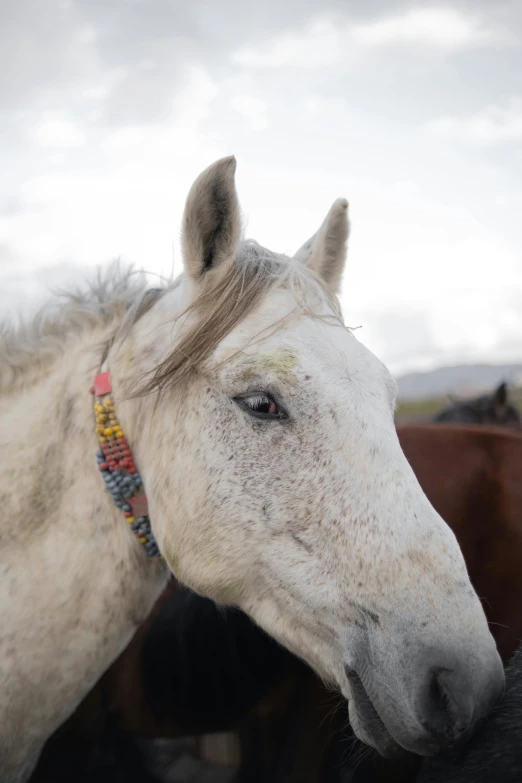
x,y
60,502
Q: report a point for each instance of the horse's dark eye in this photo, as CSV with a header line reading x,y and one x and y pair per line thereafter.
x,y
262,406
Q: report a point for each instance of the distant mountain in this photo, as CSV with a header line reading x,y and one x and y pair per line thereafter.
x,y
463,379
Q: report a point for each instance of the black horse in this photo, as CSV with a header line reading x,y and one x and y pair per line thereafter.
x,y
495,409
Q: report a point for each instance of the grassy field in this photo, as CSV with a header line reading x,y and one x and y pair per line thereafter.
x,y
423,410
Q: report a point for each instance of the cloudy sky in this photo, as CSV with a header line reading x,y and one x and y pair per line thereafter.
x,y
412,110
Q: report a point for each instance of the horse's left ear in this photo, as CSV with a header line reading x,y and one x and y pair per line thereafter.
x,y
325,252
500,396
211,222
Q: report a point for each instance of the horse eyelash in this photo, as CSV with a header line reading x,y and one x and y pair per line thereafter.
x,y
257,399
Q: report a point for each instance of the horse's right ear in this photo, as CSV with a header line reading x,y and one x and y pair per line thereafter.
x,y
211,223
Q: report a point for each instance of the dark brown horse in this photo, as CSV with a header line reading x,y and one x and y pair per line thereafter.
x,y
494,409
473,477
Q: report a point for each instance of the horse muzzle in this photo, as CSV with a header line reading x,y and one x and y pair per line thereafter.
x,y
437,704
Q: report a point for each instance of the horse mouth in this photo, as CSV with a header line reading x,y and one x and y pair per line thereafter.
x,y
366,722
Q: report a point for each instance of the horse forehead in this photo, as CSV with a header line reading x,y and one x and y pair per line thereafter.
x,y
275,336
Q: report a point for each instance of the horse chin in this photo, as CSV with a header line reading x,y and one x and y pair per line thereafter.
x,y
367,725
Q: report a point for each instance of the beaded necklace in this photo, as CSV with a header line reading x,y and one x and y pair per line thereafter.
x,y
117,467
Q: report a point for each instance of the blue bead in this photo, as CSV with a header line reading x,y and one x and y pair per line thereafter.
x,y
127,507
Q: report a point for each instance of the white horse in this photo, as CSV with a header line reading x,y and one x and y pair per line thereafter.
x,y
265,438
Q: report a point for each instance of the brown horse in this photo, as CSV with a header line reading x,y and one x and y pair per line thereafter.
x,y
473,477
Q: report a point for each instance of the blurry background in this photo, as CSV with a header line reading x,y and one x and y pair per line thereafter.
x,y
412,110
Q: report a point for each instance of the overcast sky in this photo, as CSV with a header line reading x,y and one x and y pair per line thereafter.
x,y
412,110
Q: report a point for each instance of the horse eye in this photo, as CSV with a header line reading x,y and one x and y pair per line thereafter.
x,y
261,406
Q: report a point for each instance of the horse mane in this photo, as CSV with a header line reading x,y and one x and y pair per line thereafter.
x,y
30,348
119,296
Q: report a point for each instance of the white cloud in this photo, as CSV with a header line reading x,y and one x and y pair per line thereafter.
x,y
133,209
59,133
437,26
327,41
492,125
320,43
252,109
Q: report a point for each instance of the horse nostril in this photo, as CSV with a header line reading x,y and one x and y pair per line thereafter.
x,y
444,717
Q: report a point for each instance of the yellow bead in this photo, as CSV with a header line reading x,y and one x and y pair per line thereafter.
x,y
98,407
100,430
143,539
130,520
108,402
102,417
109,431
101,439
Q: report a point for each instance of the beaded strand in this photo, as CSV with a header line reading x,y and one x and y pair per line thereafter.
x,y
116,464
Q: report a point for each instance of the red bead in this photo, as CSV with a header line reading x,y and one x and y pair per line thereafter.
x,y
91,390
121,440
133,470
127,452
127,514
124,463
102,383
103,466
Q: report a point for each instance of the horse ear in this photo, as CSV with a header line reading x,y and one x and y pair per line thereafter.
x,y
325,252
500,396
211,223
